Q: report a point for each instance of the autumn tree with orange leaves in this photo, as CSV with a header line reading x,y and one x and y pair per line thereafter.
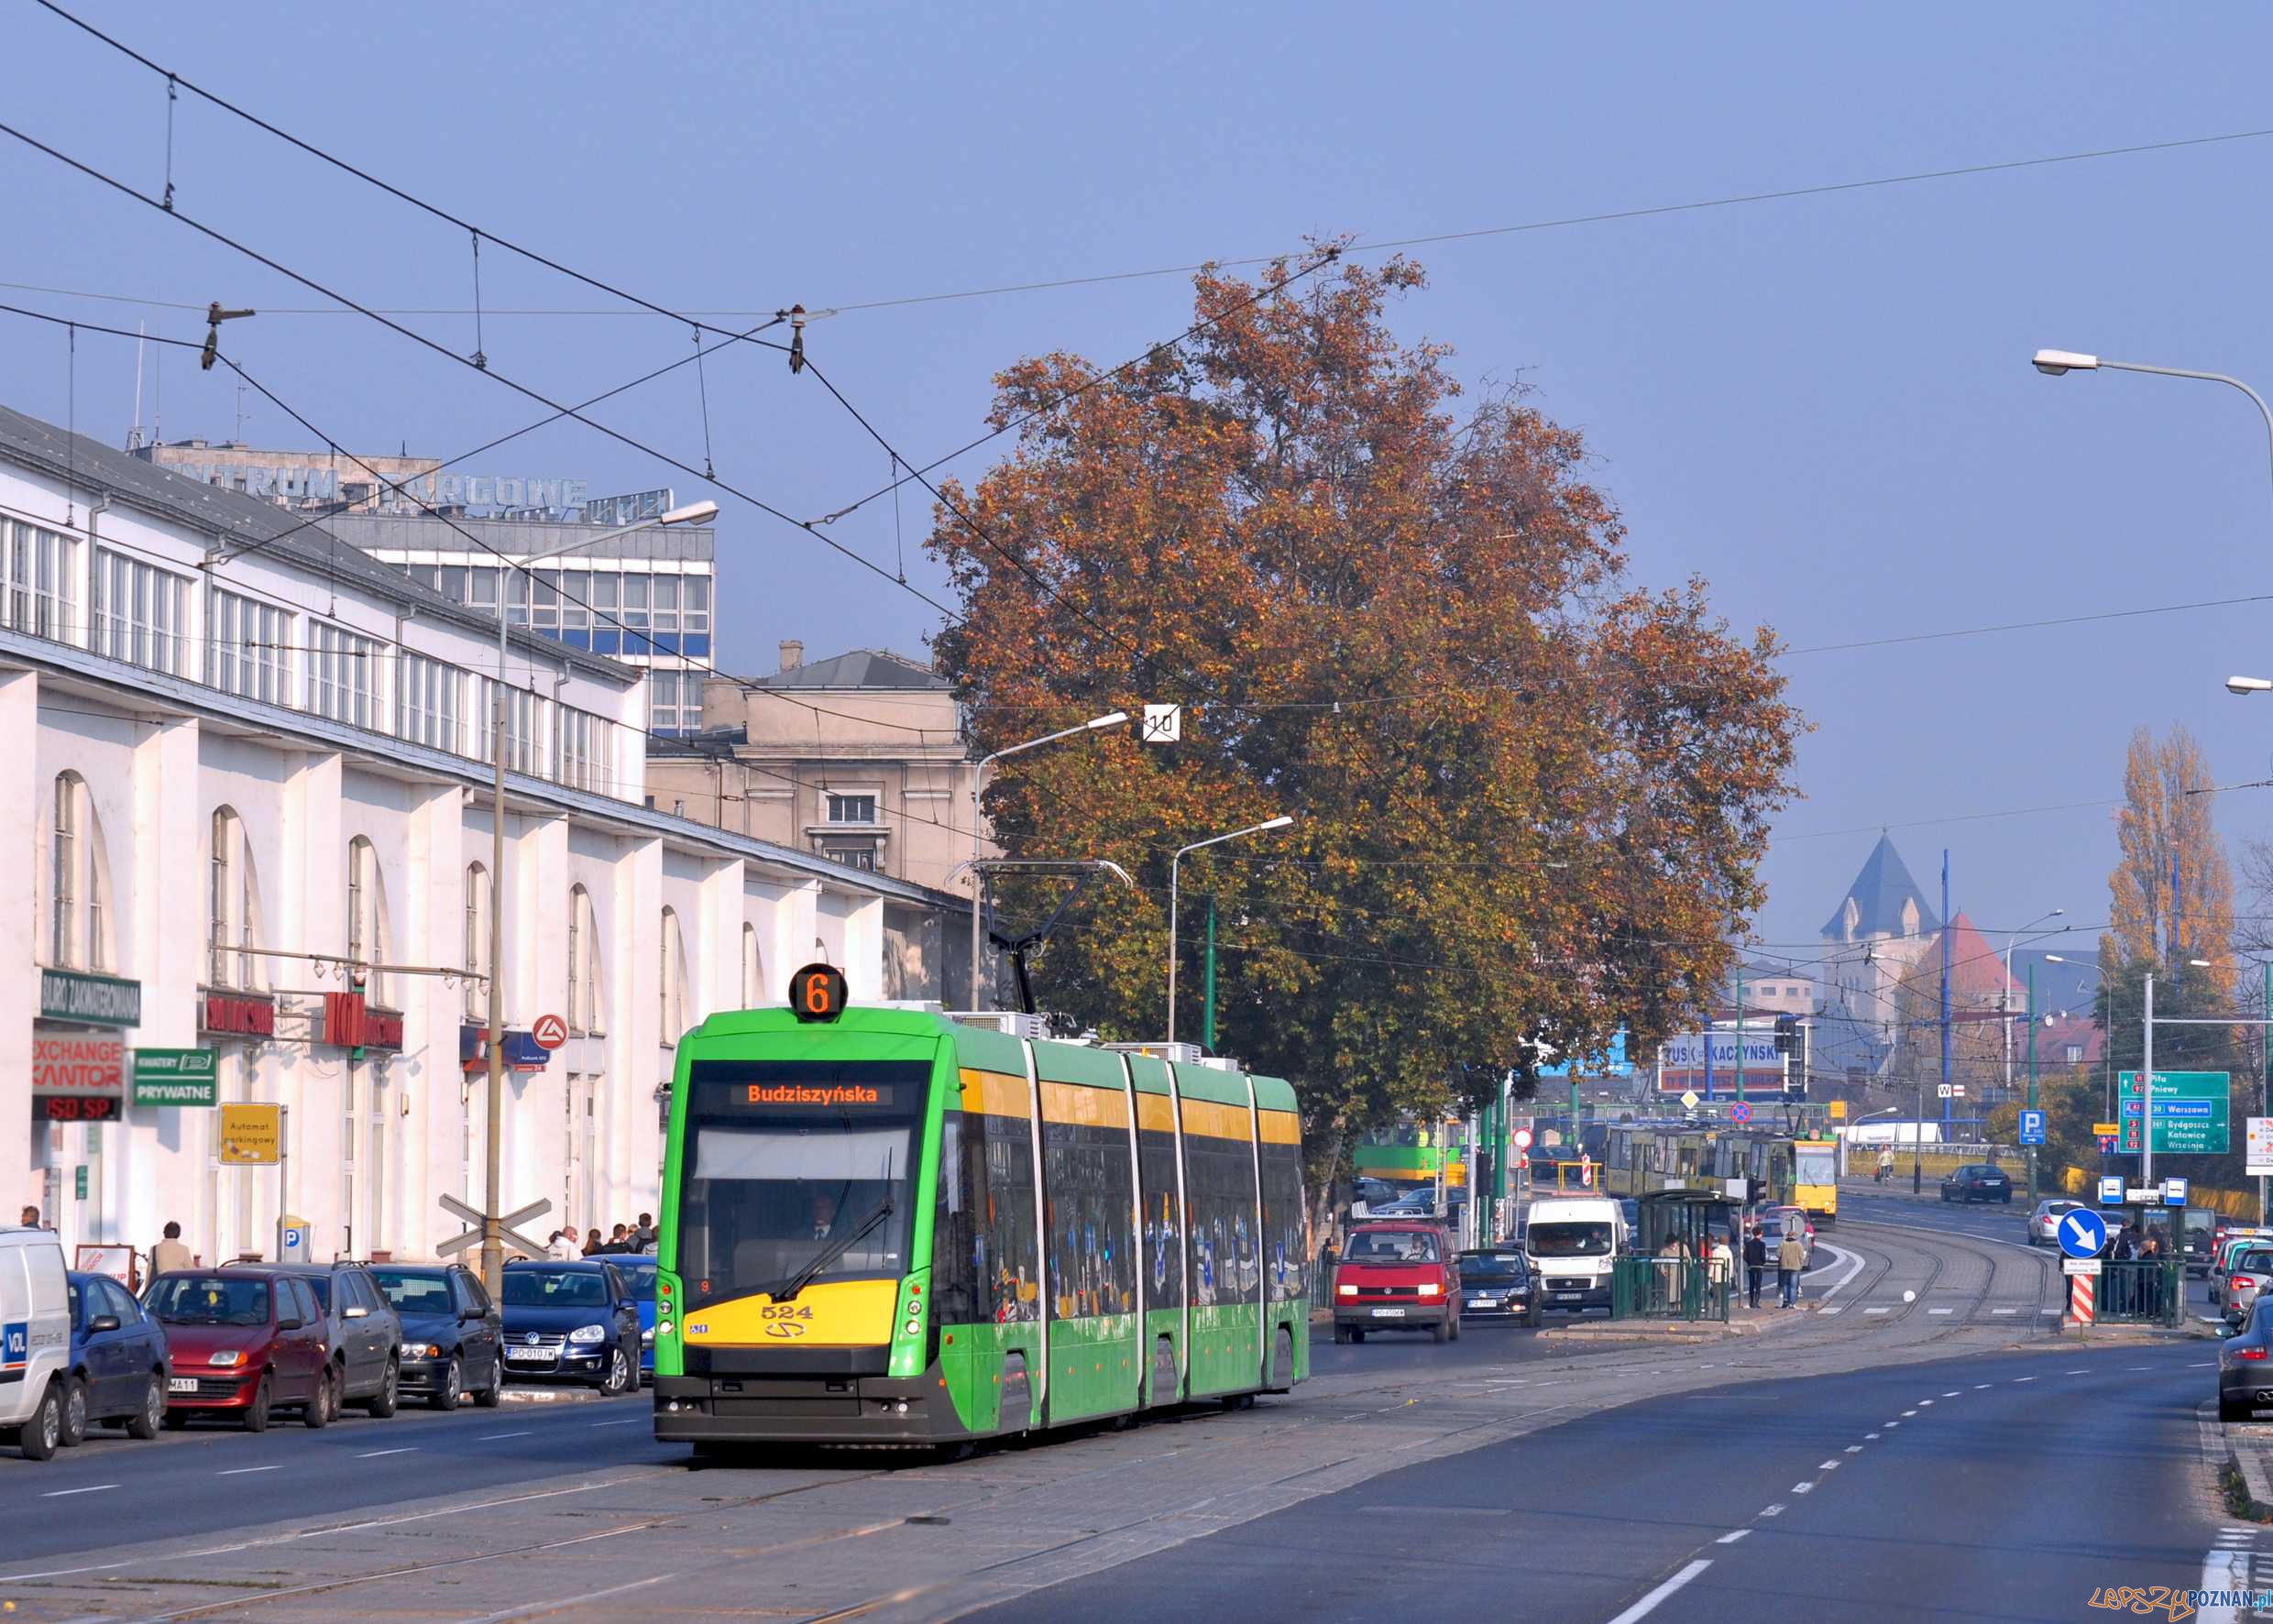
x,y
1530,796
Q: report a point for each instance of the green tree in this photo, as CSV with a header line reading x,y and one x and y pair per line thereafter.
x,y
1532,797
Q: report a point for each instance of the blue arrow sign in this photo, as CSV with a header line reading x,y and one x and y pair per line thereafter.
x,y
2083,1233
2031,1127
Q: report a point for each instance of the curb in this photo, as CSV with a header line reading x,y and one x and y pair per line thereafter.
x,y
552,1396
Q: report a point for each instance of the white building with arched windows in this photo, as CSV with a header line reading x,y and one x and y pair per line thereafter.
x,y
254,823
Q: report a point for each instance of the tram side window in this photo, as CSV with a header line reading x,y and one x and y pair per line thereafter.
x,y
1010,1269
1221,1175
957,1240
1285,1255
1163,1239
1087,1180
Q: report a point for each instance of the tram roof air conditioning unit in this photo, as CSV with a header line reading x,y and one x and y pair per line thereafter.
x,y
1183,1053
1010,1023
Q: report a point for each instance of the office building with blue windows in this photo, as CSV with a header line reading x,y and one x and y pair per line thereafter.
x,y
646,598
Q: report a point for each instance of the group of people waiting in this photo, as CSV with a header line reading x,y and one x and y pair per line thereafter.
x,y
635,1239
1788,1257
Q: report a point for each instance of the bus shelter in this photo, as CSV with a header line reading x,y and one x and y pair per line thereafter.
x,y
1674,1271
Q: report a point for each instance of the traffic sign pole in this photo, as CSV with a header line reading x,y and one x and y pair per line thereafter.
x,y
2032,1077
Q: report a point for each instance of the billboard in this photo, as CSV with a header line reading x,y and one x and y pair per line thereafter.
x,y
1685,1056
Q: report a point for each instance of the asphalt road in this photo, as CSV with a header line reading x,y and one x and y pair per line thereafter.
x,y
2006,1487
212,1479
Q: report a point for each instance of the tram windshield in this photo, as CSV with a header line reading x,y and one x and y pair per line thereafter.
x,y
792,1174
1813,1164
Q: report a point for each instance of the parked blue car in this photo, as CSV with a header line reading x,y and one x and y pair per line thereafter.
x,y
639,1278
117,1362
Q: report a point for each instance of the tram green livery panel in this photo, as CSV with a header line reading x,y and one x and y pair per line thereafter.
x,y
884,1225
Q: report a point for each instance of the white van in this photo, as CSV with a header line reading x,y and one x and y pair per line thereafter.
x,y
35,1339
1572,1242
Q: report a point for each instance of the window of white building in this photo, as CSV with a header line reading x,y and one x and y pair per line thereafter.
x,y
669,710
367,916
248,647
671,973
41,567
78,874
428,695
140,613
752,972
341,678
587,1004
587,752
476,956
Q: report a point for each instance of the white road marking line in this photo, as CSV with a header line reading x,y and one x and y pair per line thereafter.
x,y
1803,1487
1733,1536
1830,1465
1878,1310
1941,1311
2222,1570
91,1489
1854,1267
1907,1413
2203,1363
241,1471
489,1437
2048,1310
633,1422
1926,1403
1870,1437
1771,1512
1980,1386
2085,1372
372,1455
2005,1311
1648,1604
1957,1393
1888,1424
2018,1379
1839,1310
2142,1367
1855,1448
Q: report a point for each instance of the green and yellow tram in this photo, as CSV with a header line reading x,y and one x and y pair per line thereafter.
x,y
1643,1159
884,1226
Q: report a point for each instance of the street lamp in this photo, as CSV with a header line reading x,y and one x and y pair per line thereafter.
x,y
2005,1002
493,1207
978,776
1173,864
2059,363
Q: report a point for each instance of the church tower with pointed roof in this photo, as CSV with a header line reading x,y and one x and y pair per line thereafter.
x,y
1878,932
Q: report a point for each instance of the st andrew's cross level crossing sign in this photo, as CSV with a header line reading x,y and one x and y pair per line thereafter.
x,y
2189,1117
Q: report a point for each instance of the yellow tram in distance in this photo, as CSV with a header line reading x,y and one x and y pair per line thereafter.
x,y
1641,1157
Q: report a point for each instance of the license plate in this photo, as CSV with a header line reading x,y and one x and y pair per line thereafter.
x,y
1388,1313
545,1355
1568,1296
1479,1302
181,1384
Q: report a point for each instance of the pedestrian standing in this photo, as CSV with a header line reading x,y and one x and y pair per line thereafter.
x,y
169,1254
591,1242
1755,1264
561,1245
1791,1257
31,1220
643,1235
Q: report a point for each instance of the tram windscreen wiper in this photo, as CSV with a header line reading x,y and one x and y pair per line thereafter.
x,y
831,1252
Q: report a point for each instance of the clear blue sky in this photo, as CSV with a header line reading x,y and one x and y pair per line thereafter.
x,y
1823,406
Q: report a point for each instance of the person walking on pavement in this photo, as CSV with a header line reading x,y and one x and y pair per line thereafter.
x,y
169,1254
1791,1257
1755,1264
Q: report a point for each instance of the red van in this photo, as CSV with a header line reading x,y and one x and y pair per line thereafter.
x,y
1397,1276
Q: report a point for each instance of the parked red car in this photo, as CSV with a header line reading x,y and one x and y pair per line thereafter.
x,y
244,1344
1397,1276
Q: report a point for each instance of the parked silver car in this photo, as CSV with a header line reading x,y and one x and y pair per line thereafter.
x,y
2043,1224
2251,1273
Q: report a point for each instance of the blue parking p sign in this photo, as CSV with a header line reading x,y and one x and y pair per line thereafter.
x,y
2031,1127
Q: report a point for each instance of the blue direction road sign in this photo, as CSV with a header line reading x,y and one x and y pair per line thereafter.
x,y
2083,1233
1740,1112
2031,1127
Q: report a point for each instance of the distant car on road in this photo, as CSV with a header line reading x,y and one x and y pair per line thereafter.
x,y
1496,1284
2245,1368
117,1362
242,1343
1978,1181
2043,1224
573,1320
453,1336
1400,1274
1780,1222
2246,1279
